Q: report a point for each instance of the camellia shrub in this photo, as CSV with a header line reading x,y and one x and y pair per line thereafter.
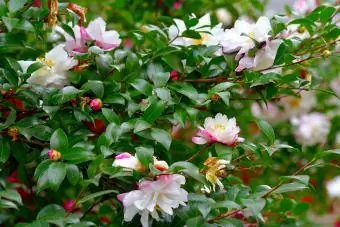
x,y
182,122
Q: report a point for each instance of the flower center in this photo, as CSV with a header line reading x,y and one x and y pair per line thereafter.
x,y
251,35
295,102
219,127
201,40
47,62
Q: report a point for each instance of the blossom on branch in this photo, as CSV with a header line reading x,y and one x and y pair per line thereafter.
x,y
218,130
162,195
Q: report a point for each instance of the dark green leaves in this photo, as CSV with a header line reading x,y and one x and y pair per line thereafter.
x,y
267,129
52,177
154,111
162,137
4,150
142,86
59,141
145,155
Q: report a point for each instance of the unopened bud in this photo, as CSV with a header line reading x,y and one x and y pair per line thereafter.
x,y
326,53
54,155
174,75
96,104
301,29
13,132
215,97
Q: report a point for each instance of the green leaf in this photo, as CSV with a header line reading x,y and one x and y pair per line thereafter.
x,y
68,93
12,195
191,34
325,153
154,111
68,30
142,86
226,204
290,187
185,89
304,179
59,141
78,155
19,24
174,62
256,206
51,212
9,120
96,86
95,195
221,87
326,14
189,169
145,155
225,96
162,137
141,125
4,150
16,5
73,174
52,177
300,208
267,129
110,116
41,168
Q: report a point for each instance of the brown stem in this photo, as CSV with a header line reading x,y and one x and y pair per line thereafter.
x,y
197,153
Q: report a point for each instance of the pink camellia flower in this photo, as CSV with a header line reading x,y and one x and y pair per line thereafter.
x,y
36,3
304,6
219,129
177,5
162,195
68,205
95,32
96,104
77,45
106,40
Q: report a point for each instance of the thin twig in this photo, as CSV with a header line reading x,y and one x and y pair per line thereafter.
x,y
197,153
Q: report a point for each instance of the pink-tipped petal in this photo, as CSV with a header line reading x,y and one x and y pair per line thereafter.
x,y
123,155
199,140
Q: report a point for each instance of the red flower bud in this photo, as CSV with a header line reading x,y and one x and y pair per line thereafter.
x,y
37,3
96,104
68,205
97,126
174,75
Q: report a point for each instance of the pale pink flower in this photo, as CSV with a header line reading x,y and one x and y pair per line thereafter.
x,y
304,6
162,195
106,40
311,129
218,130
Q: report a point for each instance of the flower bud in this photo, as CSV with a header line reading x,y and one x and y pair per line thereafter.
x,y
174,75
13,132
215,97
326,53
54,155
96,104
68,205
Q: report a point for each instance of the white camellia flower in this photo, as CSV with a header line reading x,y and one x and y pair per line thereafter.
x,y
209,36
311,129
162,195
219,129
224,16
255,33
333,187
264,57
53,73
295,106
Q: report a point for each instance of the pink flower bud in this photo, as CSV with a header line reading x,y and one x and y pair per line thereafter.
x,y
174,75
36,3
96,104
177,5
54,155
68,205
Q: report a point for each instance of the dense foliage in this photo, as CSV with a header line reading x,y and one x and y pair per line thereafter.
x,y
224,117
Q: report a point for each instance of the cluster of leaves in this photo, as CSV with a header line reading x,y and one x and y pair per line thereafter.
x,y
143,101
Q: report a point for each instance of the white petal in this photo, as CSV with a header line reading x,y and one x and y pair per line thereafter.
x,y
25,65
